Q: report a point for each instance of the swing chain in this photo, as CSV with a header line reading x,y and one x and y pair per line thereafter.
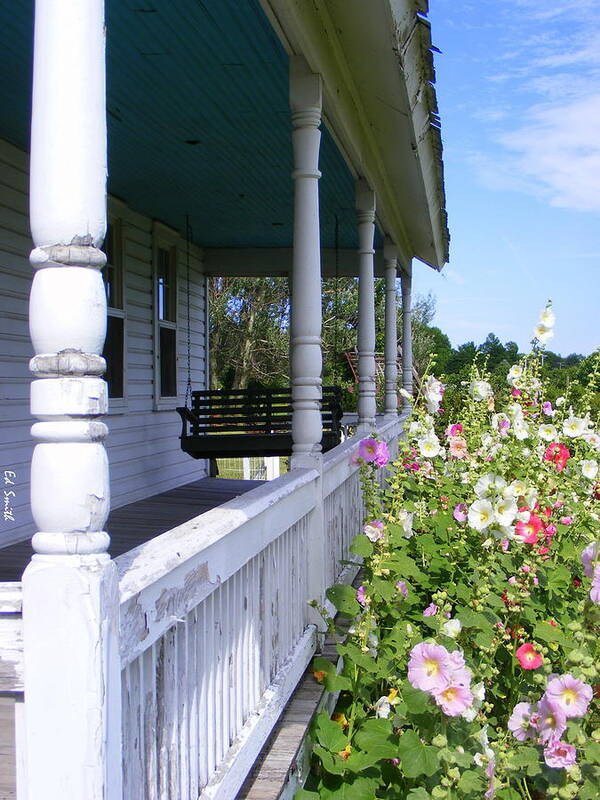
x,y
188,388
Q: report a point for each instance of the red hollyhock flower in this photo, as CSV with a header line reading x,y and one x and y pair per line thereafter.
x,y
528,657
528,531
558,454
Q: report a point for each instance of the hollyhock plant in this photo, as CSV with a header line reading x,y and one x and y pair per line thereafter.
x,y
471,667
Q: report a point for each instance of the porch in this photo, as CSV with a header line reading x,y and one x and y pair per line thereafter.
x,y
168,658
214,629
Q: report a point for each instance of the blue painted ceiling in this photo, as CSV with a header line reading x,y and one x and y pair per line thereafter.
x,y
198,119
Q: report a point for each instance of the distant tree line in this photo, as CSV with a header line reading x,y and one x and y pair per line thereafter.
x,y
249,338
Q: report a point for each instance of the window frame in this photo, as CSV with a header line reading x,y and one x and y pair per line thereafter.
x,y
164,238
118,405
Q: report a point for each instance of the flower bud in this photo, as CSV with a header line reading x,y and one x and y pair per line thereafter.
x,y
439,740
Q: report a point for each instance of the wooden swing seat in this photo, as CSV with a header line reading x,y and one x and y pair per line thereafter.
x,y
233,423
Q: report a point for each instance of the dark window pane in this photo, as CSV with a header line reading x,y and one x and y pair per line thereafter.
x,y
113,353
168,362
165,278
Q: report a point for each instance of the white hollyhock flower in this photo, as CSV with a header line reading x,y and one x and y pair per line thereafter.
x,y
574,426
383,708
406,521
518,487
547,317
433,392
514,411
429,446
481,515
478,692
406,395
489,484
560,401
515,373
452,628
505,511
480,390
415,428
589,468
520,430
547,432
592,439
543,333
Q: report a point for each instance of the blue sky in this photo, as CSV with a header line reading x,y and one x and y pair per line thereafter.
x,y
518,85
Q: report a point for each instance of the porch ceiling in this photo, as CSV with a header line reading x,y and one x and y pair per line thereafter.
x,y
198,120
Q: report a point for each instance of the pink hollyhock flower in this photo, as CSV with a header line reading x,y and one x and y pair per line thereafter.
x,y
431,610
528,657
560,755
536,580
428,667
458,447
460,512
526,568
558,454
453,700
550,530
595,590
454,430
367,449
457,659
588,556
571,695
520,723
361,595
566,520
512,580
382,454
504,544
553,722
547,408
374,530
402,588
515,392
528,531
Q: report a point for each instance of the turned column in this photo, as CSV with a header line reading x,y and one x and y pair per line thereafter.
x,y
306,358
365,211
407,361
390,256
70,592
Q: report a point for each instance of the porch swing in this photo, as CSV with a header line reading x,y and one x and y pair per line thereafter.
x,y
221,423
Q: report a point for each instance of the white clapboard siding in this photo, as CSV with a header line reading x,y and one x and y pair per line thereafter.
x,y
143,444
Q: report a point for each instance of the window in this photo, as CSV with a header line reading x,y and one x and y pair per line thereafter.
x,y
114,344
165,317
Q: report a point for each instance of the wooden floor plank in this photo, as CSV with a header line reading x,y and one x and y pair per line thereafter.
x,y
7,749
137,522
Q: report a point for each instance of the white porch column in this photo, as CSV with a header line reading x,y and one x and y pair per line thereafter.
x,y
407,361
390,256
306,358
70,591
365,210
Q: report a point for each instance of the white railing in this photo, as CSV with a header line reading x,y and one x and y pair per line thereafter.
x,y
214,638
215,631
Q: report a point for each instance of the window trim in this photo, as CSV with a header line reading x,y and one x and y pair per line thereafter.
x,y
165,238
119,405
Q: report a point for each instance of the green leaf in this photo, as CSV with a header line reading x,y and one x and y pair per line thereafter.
x,y
417,794
384,589
329,734
344,599
302,794
416,700
361,546
331,763
528,758
592,753
375,738
549,633
416,758
471,781
590,790
332,681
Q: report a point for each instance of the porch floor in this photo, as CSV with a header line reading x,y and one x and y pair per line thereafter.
x,y
137,522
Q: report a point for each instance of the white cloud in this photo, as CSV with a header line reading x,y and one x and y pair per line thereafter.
x,y
556,153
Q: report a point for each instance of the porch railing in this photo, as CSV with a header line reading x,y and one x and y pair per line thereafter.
x,y
215,631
